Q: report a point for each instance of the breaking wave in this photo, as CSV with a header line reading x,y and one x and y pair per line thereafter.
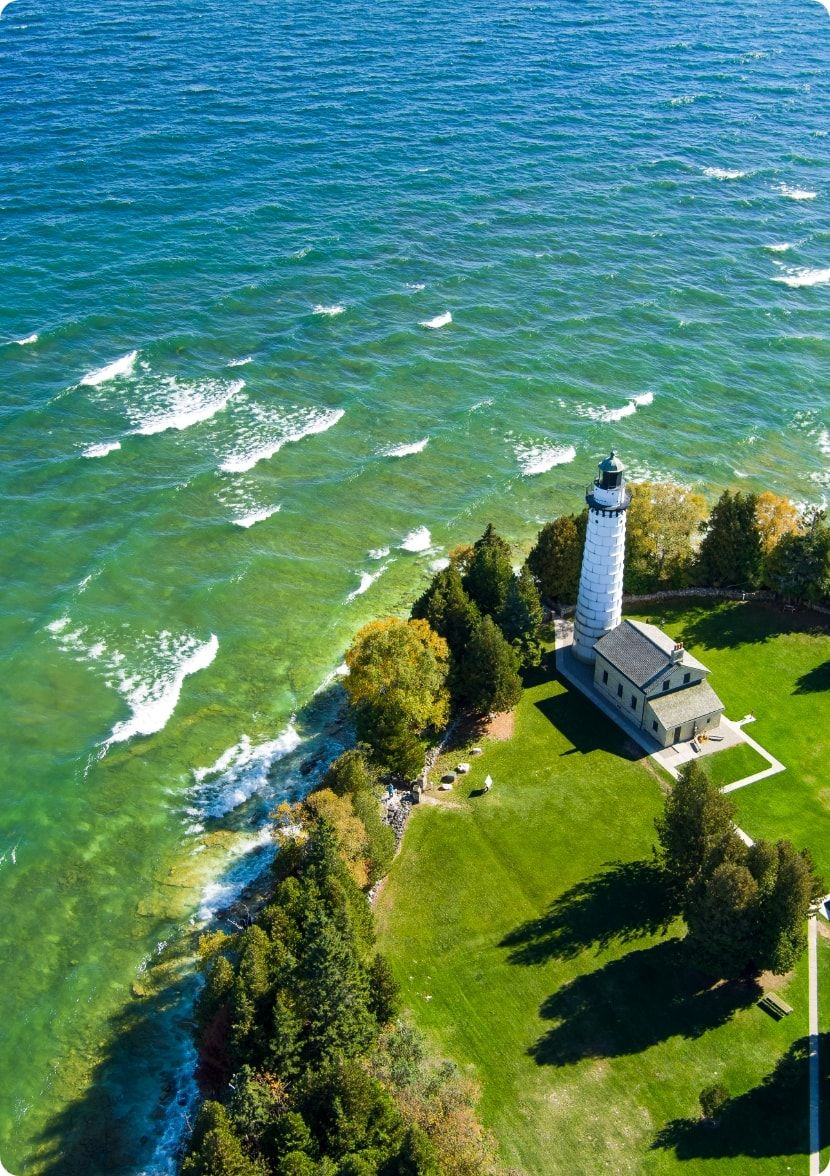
x,y
440,320
101,449
240,772
608,415
417,540
724,173
119,367
406,450
330,311
256,516
804,277
793,193
279,429
538,459
367,579
185,404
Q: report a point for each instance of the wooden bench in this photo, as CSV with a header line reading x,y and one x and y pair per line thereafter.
x,y
774,1006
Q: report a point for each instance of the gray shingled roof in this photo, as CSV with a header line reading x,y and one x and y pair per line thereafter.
x,y
681,706
642,652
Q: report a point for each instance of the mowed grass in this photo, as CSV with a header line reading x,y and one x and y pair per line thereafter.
x,y
776,667
735,763
528,932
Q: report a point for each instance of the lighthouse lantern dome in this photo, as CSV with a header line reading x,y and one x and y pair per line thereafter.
x,y
610,472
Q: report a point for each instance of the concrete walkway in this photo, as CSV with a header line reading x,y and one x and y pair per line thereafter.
x,y
775,766
812,971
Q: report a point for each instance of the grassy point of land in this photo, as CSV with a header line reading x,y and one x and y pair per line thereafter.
x,y
528,931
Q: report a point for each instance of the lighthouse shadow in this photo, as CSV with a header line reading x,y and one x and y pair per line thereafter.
x,y
585,727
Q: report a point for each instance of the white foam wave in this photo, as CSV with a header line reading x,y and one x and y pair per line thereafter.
x,y
330,311
416,285
187,404
153,701
240,362
240,772
367,579
378,553
438,565
280,429
609,415
804,277
417,540
101,449
684,99
440,320
796,193
119,367
538,459
824,442
406,450
781,246
257,516
59,625
485,403
724,173
25,342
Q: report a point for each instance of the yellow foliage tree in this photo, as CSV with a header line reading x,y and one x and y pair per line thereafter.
x,y
661,532
348,829
776,517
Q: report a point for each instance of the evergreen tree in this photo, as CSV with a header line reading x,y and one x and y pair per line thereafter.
x,y
334,990
490,671
556,558
351,773
380,838
798,567
721,916
521,617
215,1149
395,745
384,992
448,610
731,551
489,573
695,830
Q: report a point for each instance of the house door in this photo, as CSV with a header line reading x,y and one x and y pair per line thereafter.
x,y
677,731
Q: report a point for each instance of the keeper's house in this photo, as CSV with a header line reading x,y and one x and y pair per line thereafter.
x,y
655,683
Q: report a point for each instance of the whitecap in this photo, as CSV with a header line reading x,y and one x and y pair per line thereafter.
x,y
304,252
417,540
367,579
438,565
440,320
240,362
330,311
25,342
724,173
538,459
283,428
781,246
416,286
187,404
406,450
119,367
609,415
740,473
378,553
487,402
241,771
824,442
256,516
59,625
796,193
153,700
101,449
804,277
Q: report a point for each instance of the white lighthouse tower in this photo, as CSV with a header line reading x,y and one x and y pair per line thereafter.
x,y
599,604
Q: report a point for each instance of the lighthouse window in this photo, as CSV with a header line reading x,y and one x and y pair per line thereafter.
x,y
619,690
605,677
633,701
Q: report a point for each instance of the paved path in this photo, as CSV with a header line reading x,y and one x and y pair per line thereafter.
x,y
812,971
775,765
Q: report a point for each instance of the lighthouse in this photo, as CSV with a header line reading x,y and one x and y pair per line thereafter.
x,y
599,603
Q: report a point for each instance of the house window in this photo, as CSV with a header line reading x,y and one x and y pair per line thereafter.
x,y
619,690
605,677
666,684
654,725
677,731
633,701
687,679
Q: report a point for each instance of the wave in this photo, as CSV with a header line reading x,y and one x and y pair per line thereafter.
x,y
724,173
416,286
796,193
26,341
824,442
378,553
440,320
284,430
609,415
241,771
417,540
438,565
331,311
781,246
538,459
188,404
804,277
240,362
153,701
119,367
487,402
256,516
406,450
684,99
101,449
367,579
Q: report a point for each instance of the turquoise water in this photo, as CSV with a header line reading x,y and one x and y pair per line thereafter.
x,y
226,224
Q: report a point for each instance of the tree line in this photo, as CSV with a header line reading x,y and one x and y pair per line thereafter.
x,y
747,541
304,1064
745,907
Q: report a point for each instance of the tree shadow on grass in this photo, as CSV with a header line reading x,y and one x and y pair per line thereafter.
x,y
769,1120
624,902
814,680
634,1003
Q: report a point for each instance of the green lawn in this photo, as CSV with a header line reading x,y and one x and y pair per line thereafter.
x,y
735,763
772,666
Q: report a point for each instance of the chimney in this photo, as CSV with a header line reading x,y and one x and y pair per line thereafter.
x,y
677,652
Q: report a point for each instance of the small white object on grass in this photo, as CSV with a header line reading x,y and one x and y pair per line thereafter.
x,y
463,769
488,783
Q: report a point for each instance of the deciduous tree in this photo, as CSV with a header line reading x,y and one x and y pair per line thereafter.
x,y
799,565
662,528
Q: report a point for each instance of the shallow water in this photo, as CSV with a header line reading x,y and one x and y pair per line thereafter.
x,y
315,296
